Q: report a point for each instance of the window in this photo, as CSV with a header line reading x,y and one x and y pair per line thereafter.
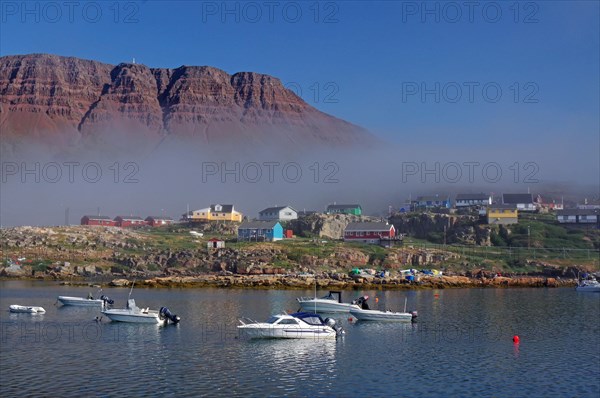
x,y
288,322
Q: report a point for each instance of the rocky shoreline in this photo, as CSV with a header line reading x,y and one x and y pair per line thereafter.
x,y
308,282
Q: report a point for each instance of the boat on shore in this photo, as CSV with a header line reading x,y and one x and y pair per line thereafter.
x,y
299,325
103,301
24,309
331,303
364,313
134,314
588,285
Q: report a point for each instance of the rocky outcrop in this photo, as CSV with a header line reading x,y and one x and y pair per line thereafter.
x,y
325,225
459,229
66,101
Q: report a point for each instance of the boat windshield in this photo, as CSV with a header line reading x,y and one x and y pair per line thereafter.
x,y
272,319
313,320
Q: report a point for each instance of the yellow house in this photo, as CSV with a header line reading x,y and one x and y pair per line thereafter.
x,y
502,214
216,213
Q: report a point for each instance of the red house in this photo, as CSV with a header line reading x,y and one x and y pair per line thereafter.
x,y
369,232
158,221
129,221
98,220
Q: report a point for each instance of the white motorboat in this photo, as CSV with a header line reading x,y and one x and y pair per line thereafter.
x,y
588,285
364,313
103,301
134,314
26,309
331,303
300,325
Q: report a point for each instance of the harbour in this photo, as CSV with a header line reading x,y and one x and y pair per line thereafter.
x,y
461,345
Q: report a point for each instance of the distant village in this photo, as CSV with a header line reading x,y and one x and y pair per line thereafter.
x,y
268,225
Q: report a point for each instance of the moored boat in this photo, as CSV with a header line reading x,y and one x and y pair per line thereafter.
x,y
331,303
299,325
103,301
364,313
26,309
134,314
588,285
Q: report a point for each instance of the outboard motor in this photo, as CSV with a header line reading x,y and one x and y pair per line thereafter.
x,y
332,324
165,313
107,300
414,316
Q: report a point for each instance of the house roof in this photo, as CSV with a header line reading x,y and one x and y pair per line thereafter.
x,y
432,198
342,207
514,198
472,196
275,209
136,218
159,218
215,240
98,217
578,212
258,225
368,226
224,208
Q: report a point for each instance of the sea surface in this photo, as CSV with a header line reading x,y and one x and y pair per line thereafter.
x,y
461,346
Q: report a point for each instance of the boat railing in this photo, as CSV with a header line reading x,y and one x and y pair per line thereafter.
x,y
247,321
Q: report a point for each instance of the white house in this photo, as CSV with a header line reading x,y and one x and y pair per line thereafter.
x,y
280,213
578,216
522,201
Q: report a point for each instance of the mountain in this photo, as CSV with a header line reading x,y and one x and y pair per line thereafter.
x,y
63,102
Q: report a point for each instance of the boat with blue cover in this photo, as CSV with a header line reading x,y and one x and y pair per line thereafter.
x,y
299,325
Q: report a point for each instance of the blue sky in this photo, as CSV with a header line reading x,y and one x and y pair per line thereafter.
x,y
356,59
366,62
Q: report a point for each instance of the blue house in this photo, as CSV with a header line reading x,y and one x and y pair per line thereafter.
x,y
259,231
430,202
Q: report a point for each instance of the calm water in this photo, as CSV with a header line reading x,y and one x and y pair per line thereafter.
x,y
461,346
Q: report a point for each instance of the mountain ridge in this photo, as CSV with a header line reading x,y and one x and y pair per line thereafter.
x,y
68,101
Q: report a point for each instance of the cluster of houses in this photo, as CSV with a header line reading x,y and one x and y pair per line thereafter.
x,y
126,221
267,227
506,211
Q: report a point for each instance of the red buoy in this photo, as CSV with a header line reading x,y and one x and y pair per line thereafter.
x,y
516,339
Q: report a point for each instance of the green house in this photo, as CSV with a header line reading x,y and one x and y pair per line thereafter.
x,y
344,209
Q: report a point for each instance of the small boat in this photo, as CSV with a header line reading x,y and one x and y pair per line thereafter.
x,y
134,314
26,309
588,285
103,301
299,325
331,303
364,313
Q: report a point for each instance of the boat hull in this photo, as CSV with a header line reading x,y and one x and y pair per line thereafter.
x,y
80,301
381,316
268,331
132,317
327,306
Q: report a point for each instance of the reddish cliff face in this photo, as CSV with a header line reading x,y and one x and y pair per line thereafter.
x,y
63,101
